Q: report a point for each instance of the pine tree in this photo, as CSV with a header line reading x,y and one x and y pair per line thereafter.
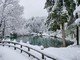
x,y
57,17
70,7
77,27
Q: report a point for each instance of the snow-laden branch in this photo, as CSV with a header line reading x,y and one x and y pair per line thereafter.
x,y
77,10
77,21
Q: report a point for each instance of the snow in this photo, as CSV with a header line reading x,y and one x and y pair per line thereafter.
x,y
77,21
77,10
9,54
67,53
36,25
45,34
64,53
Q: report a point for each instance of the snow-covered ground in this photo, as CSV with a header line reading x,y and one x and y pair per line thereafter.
x,y
67,53
64,53
9,54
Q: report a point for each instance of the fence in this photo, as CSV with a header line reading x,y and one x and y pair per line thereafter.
x,y
43,55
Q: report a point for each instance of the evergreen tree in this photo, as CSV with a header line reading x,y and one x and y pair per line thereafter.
x,y
56,17
70,7
77,27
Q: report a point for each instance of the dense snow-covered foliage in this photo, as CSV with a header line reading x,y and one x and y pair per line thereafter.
x,y
10,14
14,26
27,26
77,10
36,25
77,21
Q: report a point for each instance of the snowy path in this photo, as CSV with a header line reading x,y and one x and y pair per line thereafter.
x,y
69,53
9,54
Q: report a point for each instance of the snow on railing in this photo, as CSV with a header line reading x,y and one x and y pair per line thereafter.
x,y
20,47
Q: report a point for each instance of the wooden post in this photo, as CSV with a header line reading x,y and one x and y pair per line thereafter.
x,y
29,55
14,47
3,43
21,47
77,36
42,56
9,43
21,51
77,31
28,49
42,48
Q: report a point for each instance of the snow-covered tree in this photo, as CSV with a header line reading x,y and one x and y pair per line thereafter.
x,y
10,13
57,16
70,7
77,19
36,25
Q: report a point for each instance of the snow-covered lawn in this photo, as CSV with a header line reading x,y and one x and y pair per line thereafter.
x,y
66,53
70,53
9,54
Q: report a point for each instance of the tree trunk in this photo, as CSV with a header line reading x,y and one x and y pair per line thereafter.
x,y
2,18
63,34
3,33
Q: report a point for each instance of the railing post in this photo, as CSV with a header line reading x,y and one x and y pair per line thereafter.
x,y
21,51
14,47
21,47
9,43
42,56
28,49
29,55
14,43
3,43
42,48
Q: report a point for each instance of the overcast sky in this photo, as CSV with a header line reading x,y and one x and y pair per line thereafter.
x,y
33,8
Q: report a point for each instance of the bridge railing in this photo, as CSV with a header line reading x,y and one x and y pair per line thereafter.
x,y
8,43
